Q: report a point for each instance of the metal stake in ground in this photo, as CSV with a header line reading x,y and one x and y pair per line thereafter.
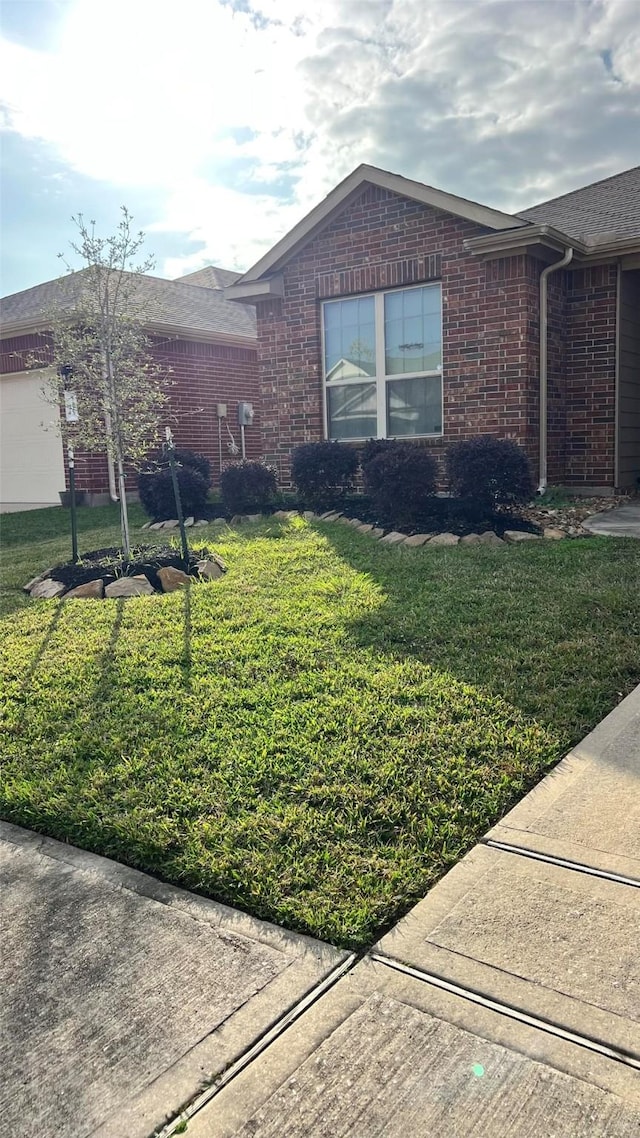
x,y
72,502
170,449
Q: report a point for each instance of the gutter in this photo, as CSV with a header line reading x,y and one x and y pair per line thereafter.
x,y
544,276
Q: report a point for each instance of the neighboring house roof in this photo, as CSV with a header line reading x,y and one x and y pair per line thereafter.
x,y
211,277
602,210
160,304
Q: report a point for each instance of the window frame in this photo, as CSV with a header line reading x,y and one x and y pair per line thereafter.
x,y
380,377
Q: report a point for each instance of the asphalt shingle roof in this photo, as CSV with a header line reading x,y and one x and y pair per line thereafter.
x,y
154,301
211,277
610,208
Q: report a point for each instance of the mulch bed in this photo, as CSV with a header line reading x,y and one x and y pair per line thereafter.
x,y
107,565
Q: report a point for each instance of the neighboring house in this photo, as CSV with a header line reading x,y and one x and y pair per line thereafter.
x,y
208,344
397,310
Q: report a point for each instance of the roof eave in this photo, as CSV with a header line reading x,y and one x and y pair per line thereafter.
x,y
251,292
317,218
177,331
499,244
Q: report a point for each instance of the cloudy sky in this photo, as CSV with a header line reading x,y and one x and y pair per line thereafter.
x,y
219,123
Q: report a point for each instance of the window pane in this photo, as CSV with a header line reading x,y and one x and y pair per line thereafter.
x,y
352,411
414,406
349,338
412,330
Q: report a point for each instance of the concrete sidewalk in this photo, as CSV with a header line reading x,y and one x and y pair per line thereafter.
x,y
122,996
505,1005
623,521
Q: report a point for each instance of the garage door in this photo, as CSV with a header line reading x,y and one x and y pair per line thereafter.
x,y
31,466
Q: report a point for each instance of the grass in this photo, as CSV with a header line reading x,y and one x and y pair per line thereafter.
x,y
316,737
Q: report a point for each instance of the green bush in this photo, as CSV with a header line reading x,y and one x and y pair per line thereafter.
x,y
247,487
324,473
400,480
487,471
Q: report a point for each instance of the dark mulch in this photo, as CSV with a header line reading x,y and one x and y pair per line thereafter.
x,y
443,515
108,565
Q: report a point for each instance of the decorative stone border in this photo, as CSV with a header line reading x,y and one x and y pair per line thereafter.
x,y
45,587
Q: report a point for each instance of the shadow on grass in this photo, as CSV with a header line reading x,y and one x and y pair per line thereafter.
x,y
554,629
33,666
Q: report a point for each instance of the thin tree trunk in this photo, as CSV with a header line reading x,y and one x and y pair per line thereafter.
x,y
124,510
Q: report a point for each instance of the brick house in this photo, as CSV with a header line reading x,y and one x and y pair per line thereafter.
x,y
397,310
208,344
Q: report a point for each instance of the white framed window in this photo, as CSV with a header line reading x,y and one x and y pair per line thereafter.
x,y
382,364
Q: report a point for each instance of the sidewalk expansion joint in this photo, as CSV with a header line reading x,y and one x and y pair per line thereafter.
x,y
256,1049
564,863
510,1012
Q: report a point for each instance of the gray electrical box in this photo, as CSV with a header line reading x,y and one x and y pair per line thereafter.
x,y
245,414
222,410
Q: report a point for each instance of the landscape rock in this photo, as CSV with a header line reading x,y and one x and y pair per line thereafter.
x,y
171,523
377,532
490,538
355,522
92,590
516,535
394,538
215,522
365,528
471,539
172,579
252,518
445,539
285,514
204,522
236,520
418,539
308,515
552,533
332,516
147,525
156,525
47,590
137,586
36,581
189,522
210,569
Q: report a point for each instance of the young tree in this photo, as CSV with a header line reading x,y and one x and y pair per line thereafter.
x,y
102,365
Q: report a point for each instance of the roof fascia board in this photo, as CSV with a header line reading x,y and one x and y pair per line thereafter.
x,y
308,227
533,235
177,331
250,292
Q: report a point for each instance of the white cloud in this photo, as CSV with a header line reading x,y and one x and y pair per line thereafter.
x,y
507,101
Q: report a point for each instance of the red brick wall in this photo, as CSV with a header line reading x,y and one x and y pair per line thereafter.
x,y
591,376
491,334
202,375
382,240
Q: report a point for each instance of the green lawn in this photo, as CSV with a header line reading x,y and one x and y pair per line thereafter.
x,y
318,736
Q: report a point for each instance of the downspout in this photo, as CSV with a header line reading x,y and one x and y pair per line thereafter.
x,y
544,275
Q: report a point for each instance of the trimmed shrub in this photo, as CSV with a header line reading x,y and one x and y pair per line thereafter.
x,y
401,481
156,487
324,473
247,487
372,448
487,471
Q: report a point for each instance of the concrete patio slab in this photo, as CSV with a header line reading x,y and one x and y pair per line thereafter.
x,y
122,995
588,809
623,521
556,943
386,1054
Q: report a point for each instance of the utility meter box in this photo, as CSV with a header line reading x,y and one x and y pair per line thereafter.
x,y
245,414
222,410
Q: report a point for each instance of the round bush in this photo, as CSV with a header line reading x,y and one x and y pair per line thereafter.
x,y
401,480
247,487
486,471
324,473
155,485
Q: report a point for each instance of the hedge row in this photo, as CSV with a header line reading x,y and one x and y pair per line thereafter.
x,y
398,477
